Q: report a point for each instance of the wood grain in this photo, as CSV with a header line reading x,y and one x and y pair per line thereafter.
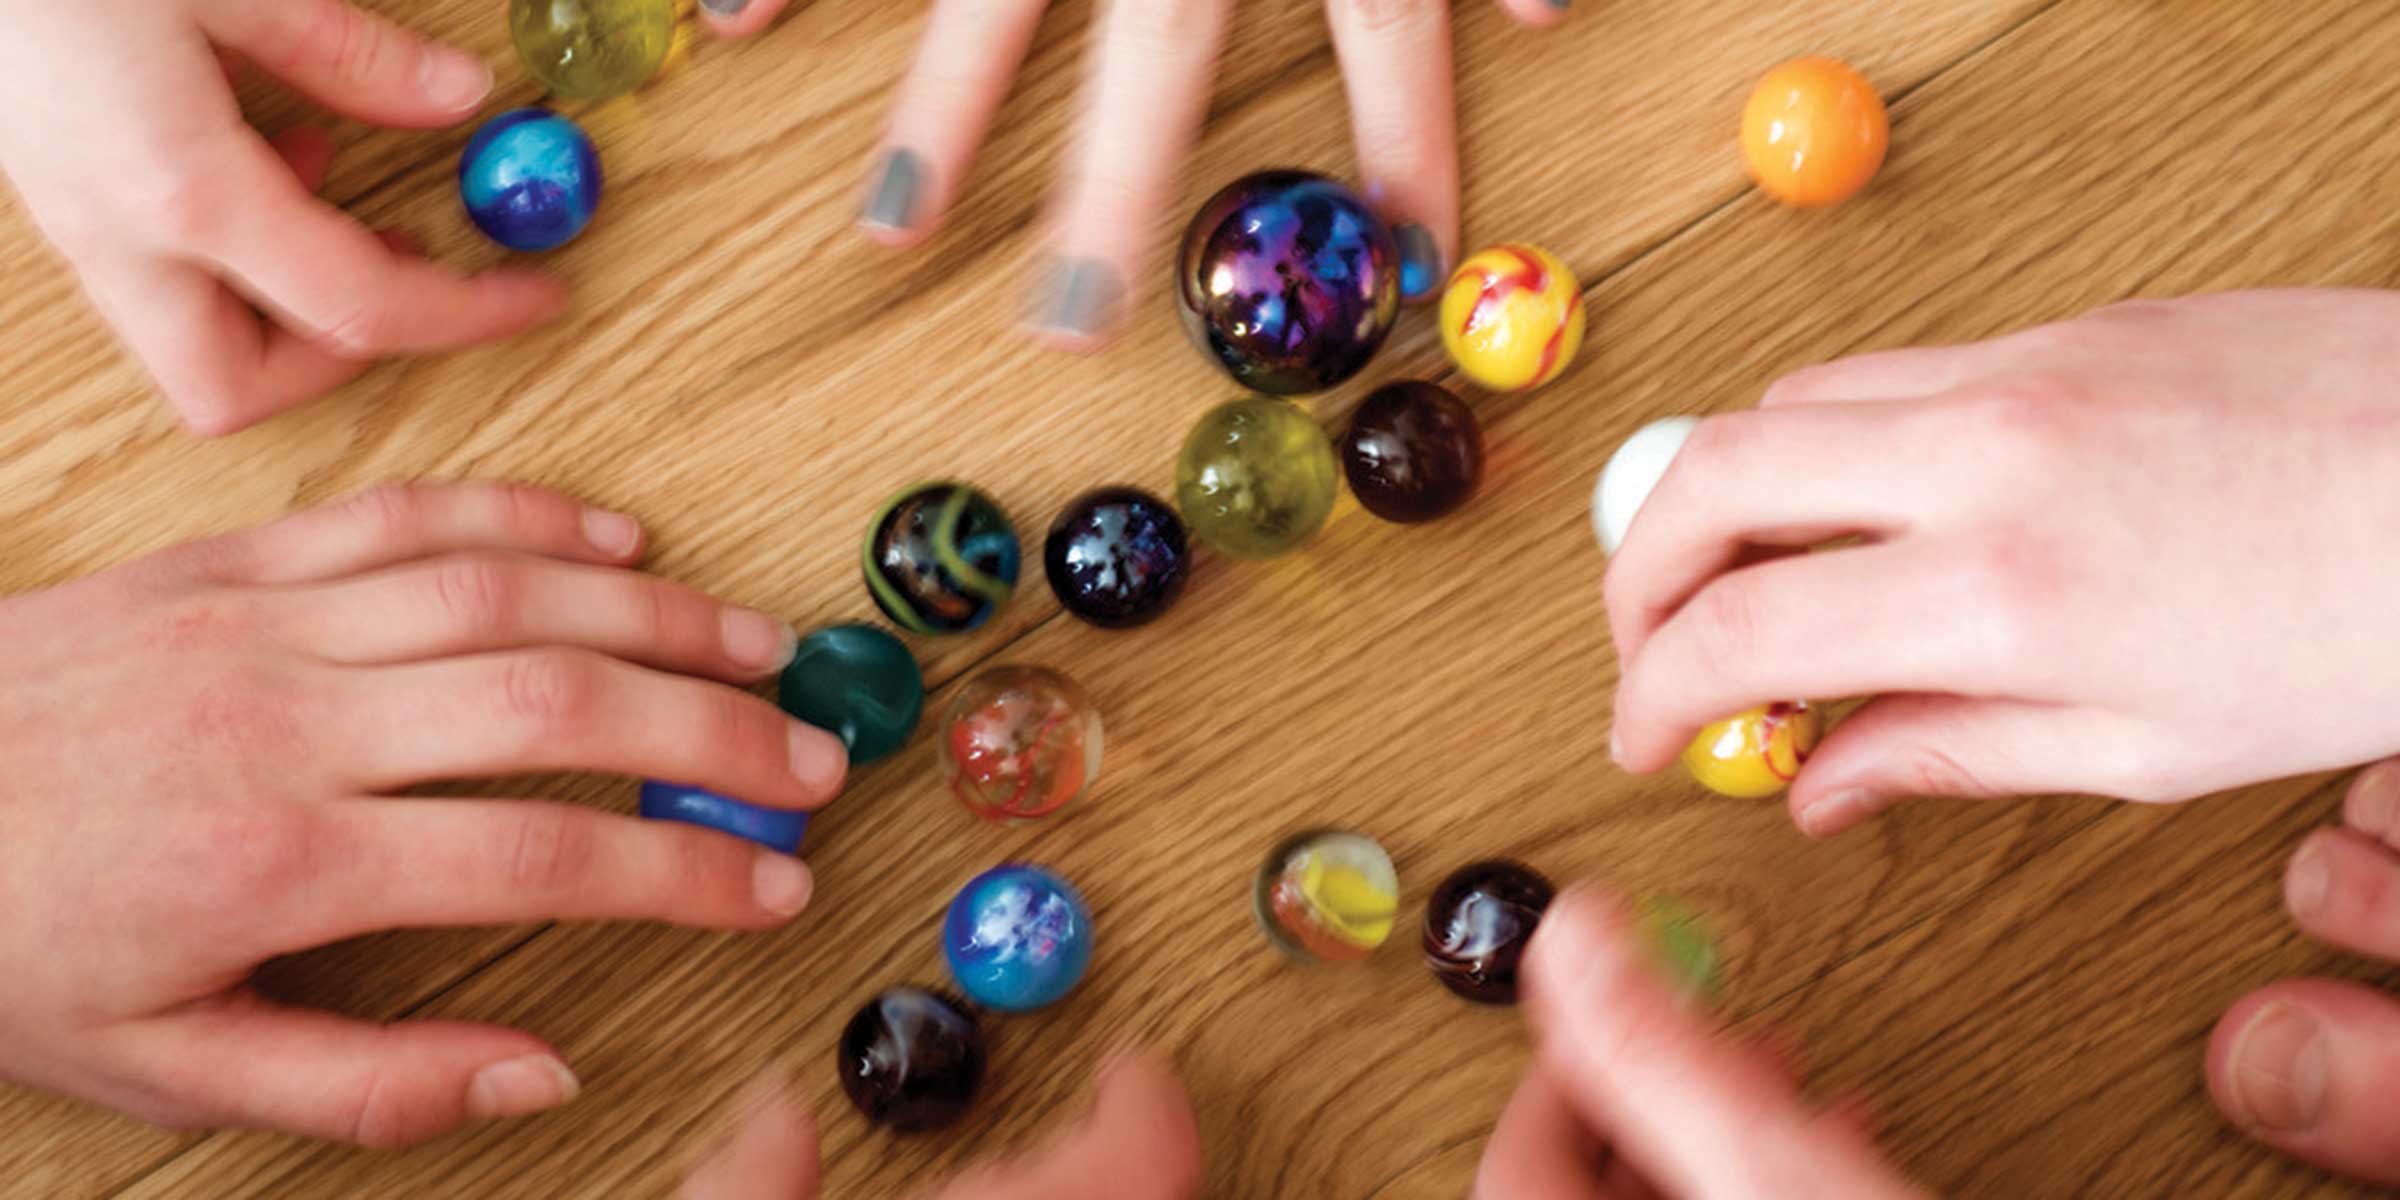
x,y
2024,988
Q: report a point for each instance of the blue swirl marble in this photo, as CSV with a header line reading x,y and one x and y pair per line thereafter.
x,y
530,179
1018,938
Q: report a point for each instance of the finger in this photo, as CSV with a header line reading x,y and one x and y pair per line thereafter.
x,y
399,523
308,151
1395,57
2308,1066
470,603
1662,1087
246,1062
1142,107
218,367
1899,747
2343,887
1541,1147
740,18
409,863
1842,623
568,710
319,273
2372,805
771,1153
1743,480
1540,14
1908,374
970,53
1140,1141
353,61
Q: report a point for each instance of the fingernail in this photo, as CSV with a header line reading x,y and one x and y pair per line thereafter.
x,y
2372,799
818,759
1076,297
758,641
1616,747
1560,5
519,1086
893,202
2307,881
1420,262
612,534
780,883
1830,814
453,80
2277,1070
725,8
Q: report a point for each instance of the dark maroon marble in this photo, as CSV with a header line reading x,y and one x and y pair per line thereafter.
x,y
1477,924
1414,452
911,1060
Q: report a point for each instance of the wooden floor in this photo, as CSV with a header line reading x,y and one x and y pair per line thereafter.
x,y
2024,987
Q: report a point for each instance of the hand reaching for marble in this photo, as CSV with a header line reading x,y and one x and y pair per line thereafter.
x,y
1634,1095
1142,107
1139,1142
199,240
202,751
2146,553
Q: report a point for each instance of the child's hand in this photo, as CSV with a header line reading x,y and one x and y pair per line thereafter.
x,y
2148,553
1632,1094
201,752
1141,107
1140,1142
2312,1066
201,242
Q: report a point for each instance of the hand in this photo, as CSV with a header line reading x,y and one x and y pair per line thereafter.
x,y
201,751
200,241
1140,1142
1142,107
2145,553
1632,1095
2311,1066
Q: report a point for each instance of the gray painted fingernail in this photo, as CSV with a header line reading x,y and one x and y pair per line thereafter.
x,y
1076,297
1560,5
893,203
733,8
1420,262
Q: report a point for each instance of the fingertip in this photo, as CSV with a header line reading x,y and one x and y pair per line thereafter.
x,y
1538,14
1424,263
1078,304
2372,805
739,18
521,1086
781,884
1583,940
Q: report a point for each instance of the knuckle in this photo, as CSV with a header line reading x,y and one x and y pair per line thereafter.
x,y
185,207
1720,443
395,514
256,855
1929,770
478,593
549,693
359,330
1378,15
1727,626
337,38
552,851
733,719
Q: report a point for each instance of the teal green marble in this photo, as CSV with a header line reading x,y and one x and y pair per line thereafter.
x,y
858,682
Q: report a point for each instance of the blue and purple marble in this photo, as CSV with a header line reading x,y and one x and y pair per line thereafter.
x,y
1288,281
530,179
1018,938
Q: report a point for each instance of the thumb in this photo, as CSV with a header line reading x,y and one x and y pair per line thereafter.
x,y
352,61
247,1062
771,1154
1900,747
1698,1115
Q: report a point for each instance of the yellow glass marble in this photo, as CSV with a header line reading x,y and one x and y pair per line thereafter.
x,y
1756,754
1512,317
592,49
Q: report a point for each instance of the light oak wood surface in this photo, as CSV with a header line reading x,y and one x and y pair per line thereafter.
x,y
2024,988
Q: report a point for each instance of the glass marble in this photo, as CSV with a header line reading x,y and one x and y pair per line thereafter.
x,y
774,828
1289,281
1257,477
1754,755
1814,132
1413,453
1679,936
530,179
1632,473
912,1060
940,558
1018,938
1019,743
859,683
592,49
1327,895
1477,925
1117,557
1512,317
